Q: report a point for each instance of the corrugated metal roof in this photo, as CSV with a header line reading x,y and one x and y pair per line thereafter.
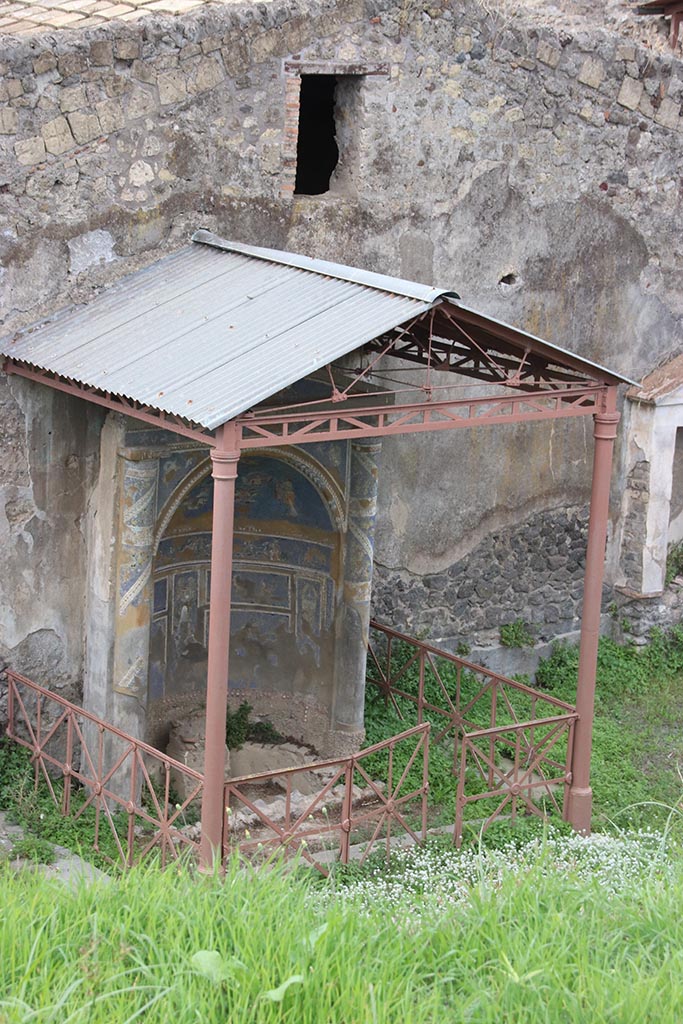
x,y
397,285
216,328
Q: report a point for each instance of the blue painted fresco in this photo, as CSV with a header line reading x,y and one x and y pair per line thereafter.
x,y
173,469
286,562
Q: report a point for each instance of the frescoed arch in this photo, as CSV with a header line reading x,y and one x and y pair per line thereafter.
x,y
289,518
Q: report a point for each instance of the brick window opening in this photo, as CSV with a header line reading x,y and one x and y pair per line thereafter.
x,y
317,153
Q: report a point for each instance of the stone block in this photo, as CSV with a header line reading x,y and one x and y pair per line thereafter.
x,y
514,114
235,59
85,127
190,50
44,62
89,250
8,121
101,53
57,136
73,98
268,44
211,43
72,64
110,115
143,72
592,73
30,151
166,61
626,52
47,107
126,48
115,85
208,75
14,88
172,87
630,93
271,152
141,102
140,173
669,113
548,54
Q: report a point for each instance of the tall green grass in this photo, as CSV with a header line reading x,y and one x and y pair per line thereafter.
x,y
537,944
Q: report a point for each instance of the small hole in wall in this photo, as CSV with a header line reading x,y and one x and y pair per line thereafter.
x,y
509,282
317,150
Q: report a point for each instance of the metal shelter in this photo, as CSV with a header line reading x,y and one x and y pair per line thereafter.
x,y
211,343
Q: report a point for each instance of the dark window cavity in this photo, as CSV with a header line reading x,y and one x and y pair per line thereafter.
x,y
317,150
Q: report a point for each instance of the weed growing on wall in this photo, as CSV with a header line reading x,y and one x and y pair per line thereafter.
x,y
240,728
674,562
517,634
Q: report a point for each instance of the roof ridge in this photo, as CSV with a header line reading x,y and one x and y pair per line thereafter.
x,y
368,278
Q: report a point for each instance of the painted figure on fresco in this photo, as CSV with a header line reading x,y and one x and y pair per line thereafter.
x,y
284,492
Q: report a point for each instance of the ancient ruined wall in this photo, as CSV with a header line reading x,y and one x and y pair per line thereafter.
x,y
532,572
536,171
47,459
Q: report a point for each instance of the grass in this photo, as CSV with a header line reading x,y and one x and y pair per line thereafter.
x,y
536,925
534,935
637,737
517,634
35,810
637,747
34,849
638,727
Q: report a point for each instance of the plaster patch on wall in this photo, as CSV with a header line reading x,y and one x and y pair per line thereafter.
x,y
89,250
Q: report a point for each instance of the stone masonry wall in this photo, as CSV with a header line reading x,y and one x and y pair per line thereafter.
x,y
534,169
533,572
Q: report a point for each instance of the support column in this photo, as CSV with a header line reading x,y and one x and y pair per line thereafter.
x,y
224,460
578,811
121,549
134,583
349,700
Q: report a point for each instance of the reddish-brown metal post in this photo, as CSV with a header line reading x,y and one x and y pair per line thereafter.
x,y
346,814
224,459
580,794
68,763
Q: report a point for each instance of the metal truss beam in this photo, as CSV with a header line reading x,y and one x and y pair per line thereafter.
x,y
446,346
307,427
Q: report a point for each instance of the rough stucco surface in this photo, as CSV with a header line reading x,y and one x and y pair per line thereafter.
x,y
533,168
45,476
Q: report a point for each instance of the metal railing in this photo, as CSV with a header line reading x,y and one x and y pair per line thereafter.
x,y
514,740
512,745
351,807
129,786
127,783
